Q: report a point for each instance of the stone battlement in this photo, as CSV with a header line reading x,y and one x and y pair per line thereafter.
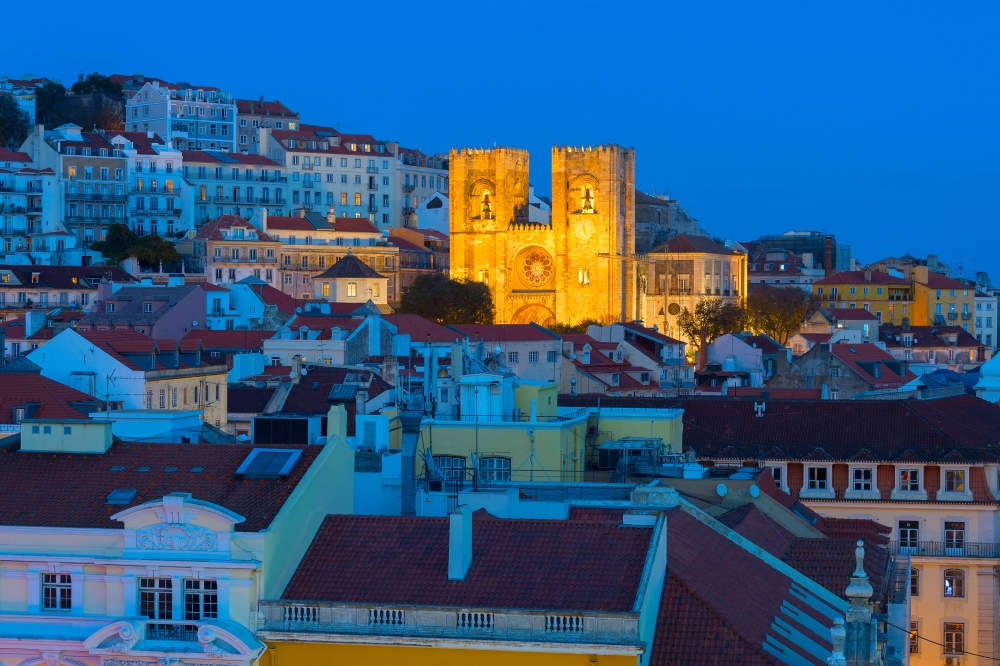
x,y
588,149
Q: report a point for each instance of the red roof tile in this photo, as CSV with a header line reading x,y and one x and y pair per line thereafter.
x,y
18,389
922,337
69,490
201,156
242,340
248,399
650,333
861,359
213,230
938,281
263,108
531,564
420,329
7,155
288,223
503,332
852,314
858,277
684,244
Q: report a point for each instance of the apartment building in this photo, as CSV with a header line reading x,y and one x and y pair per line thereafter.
x,y
91,176
29,202
686,269
233,184
23,91
188,117
941,301
354,173
311,243
418,177
229,249
842,370
987,304
26,287
889,297
252,115
934,347
155,185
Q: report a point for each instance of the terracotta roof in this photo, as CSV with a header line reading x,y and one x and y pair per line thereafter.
x,y
923,337
141,142
858,277
312,394
323,323
263,108
134,350
61,277
776,393
530,564
288,223
406,245
242,340
213,230
852,314
207,156
355,225
685,243
420,329
7,155
639,329
248,399
130,303
349,267
938,281
879,430
502,332
19,389
816,337
862,359
70,490
765,344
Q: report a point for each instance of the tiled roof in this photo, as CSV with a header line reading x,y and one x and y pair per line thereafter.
x,y
132,348
18,389
765,344
922,337
639,329
61,277
816,337
938,281
207,156
852,314
7,155
349,267
503,332
919,430
288,223
271,296
685,243
69,490
530,564
420,329
130,302
248,399
213,230
406,245
242,340
861,359
263,108
323,323
141,142
776,393
858,277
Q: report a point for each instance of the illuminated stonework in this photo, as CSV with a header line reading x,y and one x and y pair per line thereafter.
x,y
537,268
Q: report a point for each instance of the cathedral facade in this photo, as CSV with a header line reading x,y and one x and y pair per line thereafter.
x,y
580,266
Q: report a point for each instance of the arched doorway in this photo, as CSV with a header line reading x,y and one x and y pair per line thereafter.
x,y
534,313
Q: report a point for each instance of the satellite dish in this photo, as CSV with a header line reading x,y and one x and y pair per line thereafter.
x,y
572,356
754,491
302,372
497,349
291,375
721,490
194,323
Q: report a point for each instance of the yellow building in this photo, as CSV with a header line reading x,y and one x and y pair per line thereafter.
x,y
581,265
889,297
941,301
686,269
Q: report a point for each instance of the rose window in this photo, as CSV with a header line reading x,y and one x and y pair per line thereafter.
x,y
537,268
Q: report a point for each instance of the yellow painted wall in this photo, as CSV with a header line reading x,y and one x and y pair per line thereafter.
x,y
213,410
545,395
926,300
612,428
330,654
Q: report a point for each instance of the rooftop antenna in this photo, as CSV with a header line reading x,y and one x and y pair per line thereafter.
x,y
109,380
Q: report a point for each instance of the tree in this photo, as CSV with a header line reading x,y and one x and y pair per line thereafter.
x,y
117,244
14,123
582,325
153,250
716,316
97,83
777,311
48,96
440,299
109,113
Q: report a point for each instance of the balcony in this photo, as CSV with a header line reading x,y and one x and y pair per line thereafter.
x,y
945,549
169,631
372,169
167,193
966,315
176,212
34,209
409,187
95,196
952,315
408,209
93,219
256,178
372,208
373,186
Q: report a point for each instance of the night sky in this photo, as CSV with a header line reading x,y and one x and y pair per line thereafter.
x,y
874,121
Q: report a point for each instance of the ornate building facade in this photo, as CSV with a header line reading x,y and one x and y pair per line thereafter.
x,y
582,265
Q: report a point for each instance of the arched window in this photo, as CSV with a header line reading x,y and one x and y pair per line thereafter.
x,y
587,198
954,583
486,205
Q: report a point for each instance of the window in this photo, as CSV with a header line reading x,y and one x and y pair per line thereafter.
x,y
494,469
163,398
954,583
533,357
834,372
954,638
550,357
156,598
451,467
914,582
147,307
862,478
954,534
173,397
954,480
352,289
201,599
909,480
914,642
817,478
57,591
909,533
512,357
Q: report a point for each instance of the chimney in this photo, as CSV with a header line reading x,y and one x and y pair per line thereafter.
x,y
149,134
262,101
459,542
263,220
302,212
331,216
828,256
410,421
703,349
868,275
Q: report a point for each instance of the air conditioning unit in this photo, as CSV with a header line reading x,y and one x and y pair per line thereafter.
x,y
952,661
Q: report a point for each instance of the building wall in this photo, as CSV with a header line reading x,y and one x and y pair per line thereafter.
x,y
881,299
812,370
956,306
211,382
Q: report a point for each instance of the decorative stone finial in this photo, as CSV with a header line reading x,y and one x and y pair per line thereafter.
x,y
838,636
859,590
859,558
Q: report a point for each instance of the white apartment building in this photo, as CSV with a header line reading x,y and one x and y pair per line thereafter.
x,y
252,115
188,117
418,176
156,185
90,178
233,184
354,173
987,300
28,201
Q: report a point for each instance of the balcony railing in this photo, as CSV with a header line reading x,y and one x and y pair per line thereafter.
x,y
156,211
409,187
372,208
590,627
172,632
95,196
244,200
952,315
93,219
257,178
966,315
34,209
372,169
373,186
159,191
945,549
20,190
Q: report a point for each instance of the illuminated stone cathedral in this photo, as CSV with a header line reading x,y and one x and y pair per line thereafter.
x,y
581,265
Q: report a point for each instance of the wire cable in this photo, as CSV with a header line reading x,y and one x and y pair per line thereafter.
x,y
963,652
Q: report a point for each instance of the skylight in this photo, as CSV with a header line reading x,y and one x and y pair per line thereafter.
x,y
269,463
120,496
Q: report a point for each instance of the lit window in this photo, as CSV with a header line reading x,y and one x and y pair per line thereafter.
x,y
954,480
352,289
954,583
909,480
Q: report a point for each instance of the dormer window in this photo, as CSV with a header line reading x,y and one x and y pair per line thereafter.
x,y
269,463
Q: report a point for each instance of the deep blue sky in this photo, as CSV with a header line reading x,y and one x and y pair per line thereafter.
x,y
876,121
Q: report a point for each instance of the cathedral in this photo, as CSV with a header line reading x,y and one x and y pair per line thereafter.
x,y
581,265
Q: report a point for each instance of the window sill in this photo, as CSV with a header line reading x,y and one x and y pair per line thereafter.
x,y
909,495
817,494
944,496
862,495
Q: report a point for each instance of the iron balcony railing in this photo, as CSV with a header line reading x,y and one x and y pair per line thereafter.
x,y
172,632
95,196
94,219
373,186
256,178
409,187
957,548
